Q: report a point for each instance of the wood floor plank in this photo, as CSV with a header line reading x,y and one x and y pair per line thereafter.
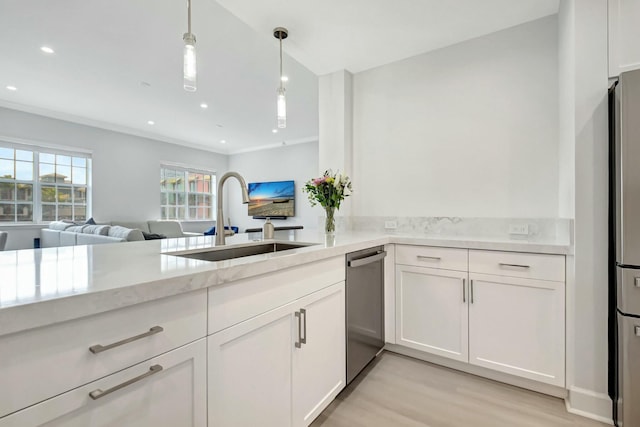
x,y
398,391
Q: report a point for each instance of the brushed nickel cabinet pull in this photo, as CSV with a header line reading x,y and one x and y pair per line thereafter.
x,y
514,265
95,349
464,290
471,290
299,341
429,258
303,339
97,394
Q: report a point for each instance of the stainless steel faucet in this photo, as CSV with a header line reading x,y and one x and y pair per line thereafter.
x,y
220,217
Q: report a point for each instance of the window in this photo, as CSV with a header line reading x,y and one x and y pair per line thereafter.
x,y
42,185
186,194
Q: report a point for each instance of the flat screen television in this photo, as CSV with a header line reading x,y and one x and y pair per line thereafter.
x,y
272,199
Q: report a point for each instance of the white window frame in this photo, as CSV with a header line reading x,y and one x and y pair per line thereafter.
x,y
37,150
189,170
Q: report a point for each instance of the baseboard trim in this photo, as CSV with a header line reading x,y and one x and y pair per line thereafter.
x,y
479,371
589,404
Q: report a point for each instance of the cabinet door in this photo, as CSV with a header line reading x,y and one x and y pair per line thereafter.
x,y
319,365
431,311
250,371
624,33
168,390
517,326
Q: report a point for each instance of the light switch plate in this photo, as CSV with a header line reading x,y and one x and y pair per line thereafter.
x,y
390,225
519,229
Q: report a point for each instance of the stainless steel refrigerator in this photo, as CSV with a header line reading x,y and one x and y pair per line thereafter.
x,y
624,253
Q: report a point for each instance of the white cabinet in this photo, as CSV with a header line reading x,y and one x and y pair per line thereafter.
x,y
280,368
507,313
432,313
516,326
168,390
624,33
86,349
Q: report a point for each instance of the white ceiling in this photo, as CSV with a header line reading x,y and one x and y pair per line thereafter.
x,y
329,35
105,49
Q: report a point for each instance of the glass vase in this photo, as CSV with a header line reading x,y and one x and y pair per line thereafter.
x,y
330,221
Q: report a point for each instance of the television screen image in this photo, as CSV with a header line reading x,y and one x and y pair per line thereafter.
x,y
272,199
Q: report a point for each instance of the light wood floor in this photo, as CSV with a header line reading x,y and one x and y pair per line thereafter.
x,y
397,391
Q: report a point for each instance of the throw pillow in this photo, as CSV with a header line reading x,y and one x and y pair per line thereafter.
x,y
90,221
153,236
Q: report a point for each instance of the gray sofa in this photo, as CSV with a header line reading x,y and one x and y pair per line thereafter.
x,y
62,233
68,234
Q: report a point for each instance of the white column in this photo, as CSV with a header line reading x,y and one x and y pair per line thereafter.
x,y
336,122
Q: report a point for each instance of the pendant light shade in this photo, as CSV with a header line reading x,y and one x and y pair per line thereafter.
x,y
189,53
281,103
282,108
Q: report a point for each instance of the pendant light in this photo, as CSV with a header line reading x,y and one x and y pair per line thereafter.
x,y
189,69
281,104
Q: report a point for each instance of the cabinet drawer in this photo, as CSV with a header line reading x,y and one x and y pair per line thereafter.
x,y
43,362
514,264
433,257
241,300
168,390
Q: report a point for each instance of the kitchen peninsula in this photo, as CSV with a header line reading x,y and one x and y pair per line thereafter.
x,y
139,321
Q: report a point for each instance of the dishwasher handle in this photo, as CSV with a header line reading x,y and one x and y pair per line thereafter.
x,y
367,260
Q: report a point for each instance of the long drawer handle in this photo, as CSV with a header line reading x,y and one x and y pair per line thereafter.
x,y
637,331
428,258
97,394
303,339
299,341
471,290
514,265
464,290
95,349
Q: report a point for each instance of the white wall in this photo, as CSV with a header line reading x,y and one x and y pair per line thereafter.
x,y
589,300
126,168
567,110
297,162
468,130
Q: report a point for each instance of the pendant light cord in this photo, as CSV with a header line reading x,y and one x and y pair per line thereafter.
x,y
280,38
189,16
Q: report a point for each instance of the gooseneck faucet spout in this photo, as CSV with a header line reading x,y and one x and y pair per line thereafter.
x,y
220,217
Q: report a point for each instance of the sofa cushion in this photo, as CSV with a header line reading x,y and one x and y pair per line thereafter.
x,y
60,225
128,234
93,239
67,238
100,230
75,228
142,226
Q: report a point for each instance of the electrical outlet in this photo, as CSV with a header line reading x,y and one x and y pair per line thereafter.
x,y
390,225
520,229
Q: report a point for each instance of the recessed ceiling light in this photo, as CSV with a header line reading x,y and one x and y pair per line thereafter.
x,y
274,130
204,105
12,88
222,141
151,122
284,78
47,49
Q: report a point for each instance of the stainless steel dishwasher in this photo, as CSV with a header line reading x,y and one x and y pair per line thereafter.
x,y
365,308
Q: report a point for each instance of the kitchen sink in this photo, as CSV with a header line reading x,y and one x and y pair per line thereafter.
x,y
242,251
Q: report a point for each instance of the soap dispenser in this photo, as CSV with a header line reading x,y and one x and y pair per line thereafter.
x,y
268,230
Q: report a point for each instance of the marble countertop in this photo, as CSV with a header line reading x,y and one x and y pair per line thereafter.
x,y
45,286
